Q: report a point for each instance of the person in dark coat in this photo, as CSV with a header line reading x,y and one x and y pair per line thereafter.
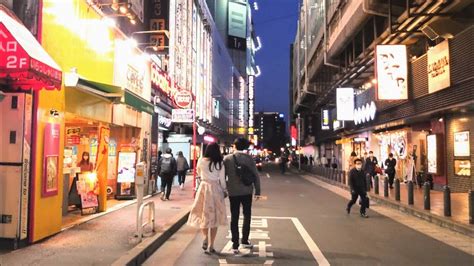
x,y
390,164
358,185
370,165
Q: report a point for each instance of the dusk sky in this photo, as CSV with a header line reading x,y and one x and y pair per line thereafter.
x,y
275,23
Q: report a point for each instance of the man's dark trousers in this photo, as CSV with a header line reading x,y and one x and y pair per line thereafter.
x,y
235,202
363,197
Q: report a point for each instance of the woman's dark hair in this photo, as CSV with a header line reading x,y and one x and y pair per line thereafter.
x,y
85,161
390,155
357,160
353,154
213,152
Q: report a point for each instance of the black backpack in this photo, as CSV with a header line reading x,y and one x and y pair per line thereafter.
x,y
166,167
247,176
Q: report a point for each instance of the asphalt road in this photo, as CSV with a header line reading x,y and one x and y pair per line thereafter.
x,y
304,224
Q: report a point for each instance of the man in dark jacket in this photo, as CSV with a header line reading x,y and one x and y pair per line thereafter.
x,y
167,169
370,165
358,185
390,164
239,193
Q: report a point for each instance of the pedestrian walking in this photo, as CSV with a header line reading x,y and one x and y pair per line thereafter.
x,y
208,211
182,167
311,160
390,164
167,168
370,165
242,181
358,186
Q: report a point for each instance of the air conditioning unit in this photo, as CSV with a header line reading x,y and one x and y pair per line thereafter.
x,y
442,27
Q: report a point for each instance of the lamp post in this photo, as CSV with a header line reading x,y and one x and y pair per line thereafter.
x,y
299,141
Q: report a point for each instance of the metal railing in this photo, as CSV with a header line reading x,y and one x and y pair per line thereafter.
x,y
151,218
336,175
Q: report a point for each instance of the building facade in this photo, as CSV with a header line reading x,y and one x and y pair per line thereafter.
x,y
386,77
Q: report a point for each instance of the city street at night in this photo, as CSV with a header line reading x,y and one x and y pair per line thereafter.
x,y
302,223
236,132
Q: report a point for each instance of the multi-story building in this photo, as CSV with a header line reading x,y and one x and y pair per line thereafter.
x,y
235,25
406,67
270,129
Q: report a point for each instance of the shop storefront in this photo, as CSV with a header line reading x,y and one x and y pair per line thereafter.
x,y
25,69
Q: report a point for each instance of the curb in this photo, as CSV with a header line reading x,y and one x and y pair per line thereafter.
x,y
421,214
141,252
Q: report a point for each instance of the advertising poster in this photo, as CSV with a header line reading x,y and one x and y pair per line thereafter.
x,y
126,167
51,160
432,154
345,104
461,144
439,76
182,115
391,72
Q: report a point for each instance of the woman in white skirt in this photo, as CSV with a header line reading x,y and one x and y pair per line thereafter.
x,y
208,211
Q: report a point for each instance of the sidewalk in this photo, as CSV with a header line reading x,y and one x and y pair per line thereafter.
x,y
459,220
103,240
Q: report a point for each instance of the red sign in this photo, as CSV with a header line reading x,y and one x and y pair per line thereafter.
x,y
29,66
294,132
183,99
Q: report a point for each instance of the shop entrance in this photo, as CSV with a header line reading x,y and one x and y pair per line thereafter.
x,y
80,175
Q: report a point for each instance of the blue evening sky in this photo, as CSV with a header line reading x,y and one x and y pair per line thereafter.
x,y
275,23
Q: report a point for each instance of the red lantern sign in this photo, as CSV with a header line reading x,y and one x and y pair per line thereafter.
x,y
183,99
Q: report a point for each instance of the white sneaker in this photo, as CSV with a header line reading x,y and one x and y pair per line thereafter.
x,y
247,245
162,197
182,186
235,251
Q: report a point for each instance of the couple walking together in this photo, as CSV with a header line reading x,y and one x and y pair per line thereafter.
x,y
222,177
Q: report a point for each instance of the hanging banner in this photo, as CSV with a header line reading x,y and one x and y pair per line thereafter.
x,y
182,115
439,76
325,119
51,160
345,104
391,72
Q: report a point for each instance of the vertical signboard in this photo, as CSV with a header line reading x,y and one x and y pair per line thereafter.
x,y
51,160
159,20
439,76
391,72
462,144
345,104
102,164
325,119
237,26
251,104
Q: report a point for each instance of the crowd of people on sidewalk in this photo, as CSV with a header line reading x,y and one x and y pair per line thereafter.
x,y
234,176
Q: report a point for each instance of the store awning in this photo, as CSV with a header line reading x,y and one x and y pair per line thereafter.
x,y
108,91
23,61
138,103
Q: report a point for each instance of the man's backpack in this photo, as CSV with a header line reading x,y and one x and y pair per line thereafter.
x,y
246,175
166,167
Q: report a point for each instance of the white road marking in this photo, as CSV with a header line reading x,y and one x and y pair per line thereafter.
x,y
317,254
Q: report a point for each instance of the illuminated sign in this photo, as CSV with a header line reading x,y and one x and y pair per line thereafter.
x,y
391,72
462,167
182,115
251,102
216,108
209,139
432,146
365,113
164,122
325,119
159,20
439,76
237,26
345,104
183,99
242,104
336,124
135,80
461,144
293,134
161,81
137,8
